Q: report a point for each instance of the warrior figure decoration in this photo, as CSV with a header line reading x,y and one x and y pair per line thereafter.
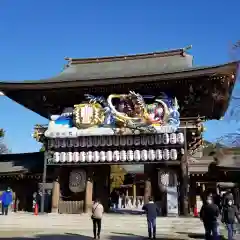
x,y
126,114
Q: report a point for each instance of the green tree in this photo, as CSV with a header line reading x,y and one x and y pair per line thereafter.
x,y
42,149
117,176
1,133
3,147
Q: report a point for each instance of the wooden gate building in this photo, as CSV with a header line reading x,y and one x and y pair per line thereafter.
x,y
135,109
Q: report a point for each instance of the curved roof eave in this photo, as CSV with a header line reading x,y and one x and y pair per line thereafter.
x,y
74,79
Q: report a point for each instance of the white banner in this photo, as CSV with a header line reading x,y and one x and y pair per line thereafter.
x,y
172,201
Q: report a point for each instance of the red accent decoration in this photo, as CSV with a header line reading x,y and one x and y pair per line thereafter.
x,y
195,211
36,209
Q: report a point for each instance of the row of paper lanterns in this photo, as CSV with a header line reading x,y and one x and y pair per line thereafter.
x,y
117,156
98,141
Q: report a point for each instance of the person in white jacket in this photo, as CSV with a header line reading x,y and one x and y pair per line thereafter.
x,y
97,214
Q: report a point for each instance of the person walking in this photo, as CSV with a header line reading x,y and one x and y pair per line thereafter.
x,y
6,201
97,214
226,197
229,213
209,214
115,199
152,211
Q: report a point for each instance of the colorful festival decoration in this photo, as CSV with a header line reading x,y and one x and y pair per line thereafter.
x,y
123,114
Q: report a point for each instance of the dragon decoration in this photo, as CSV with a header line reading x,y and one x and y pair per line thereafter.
x,y
120,111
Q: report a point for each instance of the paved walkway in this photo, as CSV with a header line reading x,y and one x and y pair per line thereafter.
x,y
115,226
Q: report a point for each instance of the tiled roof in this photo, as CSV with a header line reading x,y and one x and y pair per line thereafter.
x,y
22,162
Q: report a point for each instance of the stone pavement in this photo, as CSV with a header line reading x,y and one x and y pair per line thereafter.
x,y
115,226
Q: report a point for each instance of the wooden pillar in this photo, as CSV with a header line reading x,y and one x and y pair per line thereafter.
x,y
56,192
147,183
147,190
184,180
55,196
192,194
134,194
88,192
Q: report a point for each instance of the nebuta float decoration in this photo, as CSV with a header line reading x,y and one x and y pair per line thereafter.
x,y
124,114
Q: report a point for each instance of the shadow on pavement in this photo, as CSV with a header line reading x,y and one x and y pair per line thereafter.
x,y
197,235
193,235
126,211
69,236
130,236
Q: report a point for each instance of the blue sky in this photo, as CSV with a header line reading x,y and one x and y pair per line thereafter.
x,y
35,36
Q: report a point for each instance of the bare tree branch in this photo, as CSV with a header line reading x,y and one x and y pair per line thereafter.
x,y
232,139
3,149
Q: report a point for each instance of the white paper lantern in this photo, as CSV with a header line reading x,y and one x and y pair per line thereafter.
x,y
69,157
158,154
165,138
76,142
137,155
173,138
109,141
103,141
158,139
116,156
144,140
123,156
129,140
89,156
102,156
173,154
56,157
109,156
82,156
96,156
130,155
151,155
151,140
76,157
115,141
62,157
166,154
180,138
89,142
70,143
122,141
144,155
137,140
95,141
82,142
